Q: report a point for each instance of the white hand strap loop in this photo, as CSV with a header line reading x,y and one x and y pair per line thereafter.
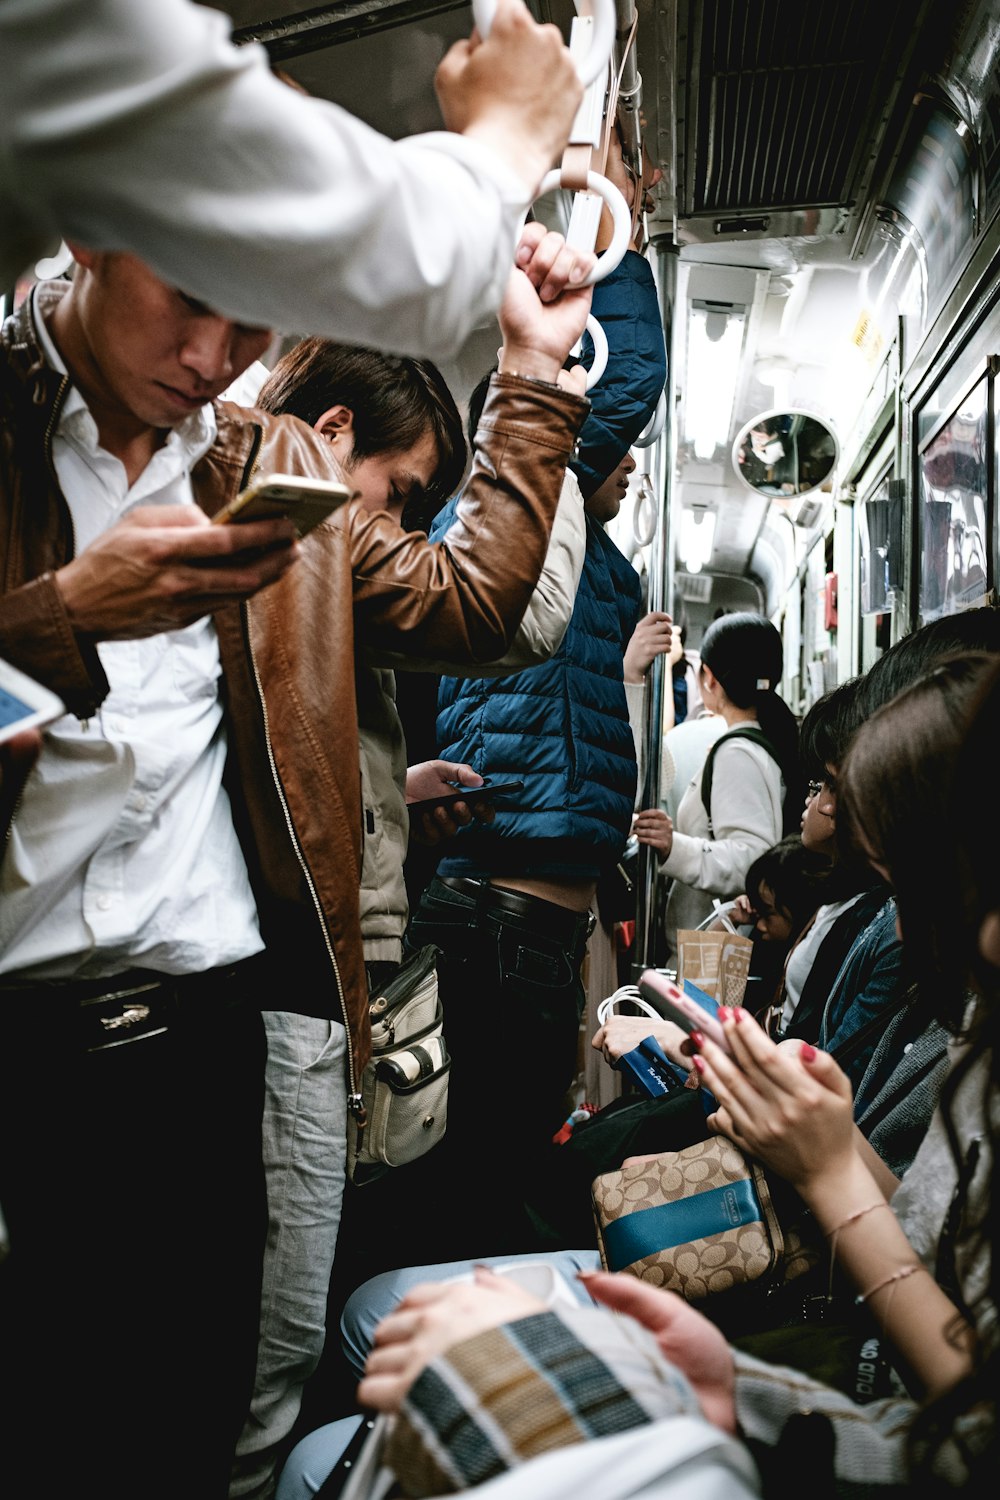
x,y
600,339
601,43
654,426
609,258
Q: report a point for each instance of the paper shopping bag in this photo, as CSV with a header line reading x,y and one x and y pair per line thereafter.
x,y
717,962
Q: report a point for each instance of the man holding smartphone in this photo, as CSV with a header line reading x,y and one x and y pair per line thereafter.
x,y
188,842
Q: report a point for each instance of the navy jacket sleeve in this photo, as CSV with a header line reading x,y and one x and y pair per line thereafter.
x,y
624,399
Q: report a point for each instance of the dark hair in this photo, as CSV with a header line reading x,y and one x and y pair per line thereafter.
x,y
894,805
922,755
395,402
969,630
744,652
828,727
797,877
824,735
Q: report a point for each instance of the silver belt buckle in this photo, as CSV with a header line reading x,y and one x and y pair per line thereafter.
x,y
130,1016
133,1013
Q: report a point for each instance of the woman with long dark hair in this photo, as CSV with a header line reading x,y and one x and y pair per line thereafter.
x,y
748,793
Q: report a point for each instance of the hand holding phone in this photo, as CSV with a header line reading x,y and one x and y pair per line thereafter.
x,y
305,502
468,794
674,1005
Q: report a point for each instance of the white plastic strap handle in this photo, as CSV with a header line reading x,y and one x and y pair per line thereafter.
x,y
654,426
600,339
609,258
601,43
644,514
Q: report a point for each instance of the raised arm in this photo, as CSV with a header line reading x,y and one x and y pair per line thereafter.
x,y
462,599
302,216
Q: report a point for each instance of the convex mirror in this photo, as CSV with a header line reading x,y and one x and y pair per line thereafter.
x,y
784,454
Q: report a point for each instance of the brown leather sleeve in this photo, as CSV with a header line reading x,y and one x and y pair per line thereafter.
x,y
463,597
36,636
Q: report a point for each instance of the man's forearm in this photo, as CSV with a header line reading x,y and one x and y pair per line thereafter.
x,y
37,635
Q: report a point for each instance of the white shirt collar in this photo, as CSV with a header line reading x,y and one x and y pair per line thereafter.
x,y
190,439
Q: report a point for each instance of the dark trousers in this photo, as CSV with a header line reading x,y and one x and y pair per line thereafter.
x,y
132,1186
509,977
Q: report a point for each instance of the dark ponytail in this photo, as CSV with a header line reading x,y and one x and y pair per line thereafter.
x,y
744,652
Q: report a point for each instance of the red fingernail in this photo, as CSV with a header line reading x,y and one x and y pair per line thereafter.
x,y
698,1063
697,1040
807,1052
739,1014
723,1014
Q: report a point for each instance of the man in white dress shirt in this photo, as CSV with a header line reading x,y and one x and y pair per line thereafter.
x,y
191,816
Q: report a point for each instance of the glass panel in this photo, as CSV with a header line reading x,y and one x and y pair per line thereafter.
x,y
953,493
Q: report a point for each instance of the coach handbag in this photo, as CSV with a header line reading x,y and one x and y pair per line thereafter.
x,y
404,1088
701,1221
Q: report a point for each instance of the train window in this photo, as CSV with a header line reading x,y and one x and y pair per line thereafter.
x,y
954,484
880,536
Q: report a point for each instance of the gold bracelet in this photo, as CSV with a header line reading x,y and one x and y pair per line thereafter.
x,y
853,1218
899,1275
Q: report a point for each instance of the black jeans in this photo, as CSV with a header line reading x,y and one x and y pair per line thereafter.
x,y
509,976
132,1184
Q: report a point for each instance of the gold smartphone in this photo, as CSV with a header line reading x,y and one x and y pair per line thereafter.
x,y
306,502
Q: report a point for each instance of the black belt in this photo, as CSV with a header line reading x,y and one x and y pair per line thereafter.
x,y
569,927
131,1006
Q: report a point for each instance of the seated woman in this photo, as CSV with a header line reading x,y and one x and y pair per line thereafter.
x,y
921,1263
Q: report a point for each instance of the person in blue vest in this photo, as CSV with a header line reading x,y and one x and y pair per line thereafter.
x,y
510,904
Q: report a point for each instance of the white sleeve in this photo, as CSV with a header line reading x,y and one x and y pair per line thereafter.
x,y
746,820
635,699
550,607
541,631
142,127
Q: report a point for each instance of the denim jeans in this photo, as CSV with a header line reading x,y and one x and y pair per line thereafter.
x,y
512,996
305,1159
375,1299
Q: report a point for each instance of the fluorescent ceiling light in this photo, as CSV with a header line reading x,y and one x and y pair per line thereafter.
x,y
696,538
715,342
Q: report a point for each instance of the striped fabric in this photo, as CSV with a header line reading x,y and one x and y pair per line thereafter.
x,y
541,1383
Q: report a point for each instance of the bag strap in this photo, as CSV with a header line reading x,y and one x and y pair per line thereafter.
x,y
742,732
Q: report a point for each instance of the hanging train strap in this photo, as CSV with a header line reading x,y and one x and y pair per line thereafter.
x,y
610,117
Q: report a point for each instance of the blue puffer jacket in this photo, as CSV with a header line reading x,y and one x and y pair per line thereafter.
x,y
624,399
562,727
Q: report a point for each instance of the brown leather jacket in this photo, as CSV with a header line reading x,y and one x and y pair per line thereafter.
x,y
288,655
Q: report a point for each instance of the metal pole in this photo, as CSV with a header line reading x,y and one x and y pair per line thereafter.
x,y
661,593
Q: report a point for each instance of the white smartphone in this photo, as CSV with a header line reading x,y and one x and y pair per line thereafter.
x,y
24,703
306,502
674,1005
